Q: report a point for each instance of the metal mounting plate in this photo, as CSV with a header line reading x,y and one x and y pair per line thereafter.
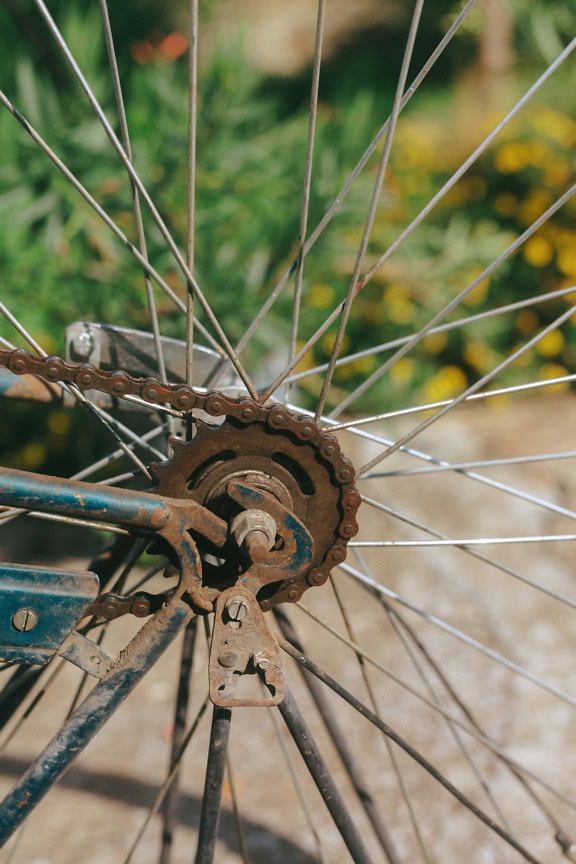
x,y
39,608
134,351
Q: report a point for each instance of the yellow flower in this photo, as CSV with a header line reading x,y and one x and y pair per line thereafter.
x,y
33,454
328,343
555,125
449,381
435,343
506,204
401,372
398,307
511,157
534,205
320,296
523,360
478,294
527,321
307,362
537,153
58,423
557,171
363,365
538,251
566,260
479,355
551,344
554,370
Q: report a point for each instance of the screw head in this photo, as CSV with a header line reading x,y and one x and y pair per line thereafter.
x,y
262,662
24,620
83,344
236,608
228,659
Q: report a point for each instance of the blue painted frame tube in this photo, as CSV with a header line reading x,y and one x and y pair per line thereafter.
x,y
82,500
139,656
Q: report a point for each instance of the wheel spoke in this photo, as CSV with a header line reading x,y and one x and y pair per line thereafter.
x,y
167,784
562,380
91,201
191,283
304,210
215,770
478,385
424,331
333,316
503,568
482,147
462,637
442,328
339,741
135,192
394,736
191,190
314,762
376,193
180,720
434,621
298,786
483,463
355,173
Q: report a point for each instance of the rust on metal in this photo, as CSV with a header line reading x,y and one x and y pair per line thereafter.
x,y
256,457
28,388
242,646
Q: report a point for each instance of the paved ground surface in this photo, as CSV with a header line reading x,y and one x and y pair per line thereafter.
x,y
94,813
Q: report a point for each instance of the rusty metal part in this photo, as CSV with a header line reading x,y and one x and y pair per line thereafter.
x,y
279,473
289,454
242,647
112,347
257,529
28,388
141,604
177,522
293,553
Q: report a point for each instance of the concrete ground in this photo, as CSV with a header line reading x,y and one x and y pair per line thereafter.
x,y
91,817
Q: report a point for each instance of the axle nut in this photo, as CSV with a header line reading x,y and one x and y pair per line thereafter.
x,y
253,520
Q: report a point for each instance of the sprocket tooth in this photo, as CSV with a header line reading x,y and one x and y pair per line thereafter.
x,y
176,443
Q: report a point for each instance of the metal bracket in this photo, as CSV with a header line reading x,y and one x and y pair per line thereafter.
x,y
134,351
85,654
243,646
39,608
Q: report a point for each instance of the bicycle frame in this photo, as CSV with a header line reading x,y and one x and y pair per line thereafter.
x,y
148,514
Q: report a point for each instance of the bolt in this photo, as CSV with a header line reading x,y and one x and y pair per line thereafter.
x,y
24,620
258,529
83,344
236,608
262,662
228,659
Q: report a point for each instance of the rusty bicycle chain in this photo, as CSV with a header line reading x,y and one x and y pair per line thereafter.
x,y
141,604
244,410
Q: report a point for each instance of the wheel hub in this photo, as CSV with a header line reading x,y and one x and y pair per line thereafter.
x,y
277,492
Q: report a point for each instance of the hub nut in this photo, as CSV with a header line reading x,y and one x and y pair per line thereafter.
x,y
252,522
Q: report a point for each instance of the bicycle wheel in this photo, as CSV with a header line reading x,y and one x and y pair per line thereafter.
x,y
387,284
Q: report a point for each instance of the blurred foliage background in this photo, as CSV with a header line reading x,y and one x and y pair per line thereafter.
x,y
60,262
